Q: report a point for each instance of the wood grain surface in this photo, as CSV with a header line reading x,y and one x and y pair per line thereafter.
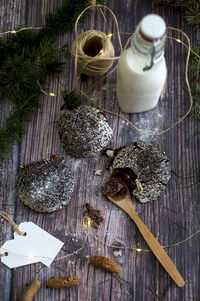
x,y
171,218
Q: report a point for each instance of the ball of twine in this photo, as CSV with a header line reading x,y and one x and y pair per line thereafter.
x,y
93,52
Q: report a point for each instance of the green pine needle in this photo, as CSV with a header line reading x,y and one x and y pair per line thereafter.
x,y
63,20
71,100
26,59
192,9
195,79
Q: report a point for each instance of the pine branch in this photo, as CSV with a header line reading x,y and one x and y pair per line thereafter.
x,y
63,20
195,79
71,100
192,13
192,9
26,59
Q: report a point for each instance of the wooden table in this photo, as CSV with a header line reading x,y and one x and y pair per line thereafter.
x,y
171,218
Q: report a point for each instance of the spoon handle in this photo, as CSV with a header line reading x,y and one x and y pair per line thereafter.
x,y
155,247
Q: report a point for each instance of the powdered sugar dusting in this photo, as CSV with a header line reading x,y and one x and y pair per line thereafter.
x,y
151,123
46,185
84,131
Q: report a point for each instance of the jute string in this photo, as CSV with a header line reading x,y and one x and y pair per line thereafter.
x,y
12,223
100,63
76,76
98,58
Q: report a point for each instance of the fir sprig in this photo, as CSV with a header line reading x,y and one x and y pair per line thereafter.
x,y
71,100
192,8
195,78
19,74
26,59
63,20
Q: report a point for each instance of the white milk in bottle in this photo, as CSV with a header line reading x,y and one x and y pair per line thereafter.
x,y
141,72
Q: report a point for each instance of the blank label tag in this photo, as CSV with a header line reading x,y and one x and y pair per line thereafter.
x,y
37,246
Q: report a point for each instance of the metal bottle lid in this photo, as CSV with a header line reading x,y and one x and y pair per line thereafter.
x,y
149,39
153,28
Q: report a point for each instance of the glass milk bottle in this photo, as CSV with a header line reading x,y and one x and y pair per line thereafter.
x,y
141,72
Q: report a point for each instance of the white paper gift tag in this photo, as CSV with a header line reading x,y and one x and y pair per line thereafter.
x,y
37,246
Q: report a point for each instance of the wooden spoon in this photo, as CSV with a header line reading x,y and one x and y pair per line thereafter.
x,y
124,202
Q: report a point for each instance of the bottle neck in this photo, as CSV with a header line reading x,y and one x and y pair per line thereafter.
x,y
152,50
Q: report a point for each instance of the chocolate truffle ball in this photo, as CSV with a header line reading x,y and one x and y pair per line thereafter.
x,y
46,185
84,131
144,168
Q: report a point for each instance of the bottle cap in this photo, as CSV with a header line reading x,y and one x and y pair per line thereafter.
x,y
149,39
152,27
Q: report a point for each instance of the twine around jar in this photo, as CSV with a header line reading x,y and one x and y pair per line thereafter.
x,y
94,52
100,57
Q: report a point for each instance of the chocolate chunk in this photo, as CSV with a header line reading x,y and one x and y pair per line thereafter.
x,y
151,169
114,187
127,175
94,214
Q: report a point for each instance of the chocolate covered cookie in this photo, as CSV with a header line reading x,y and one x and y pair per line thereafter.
x,y
145,169
46,185
84,131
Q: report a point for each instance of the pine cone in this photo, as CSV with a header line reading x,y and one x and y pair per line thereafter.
x,y
105,263
66,281
31,290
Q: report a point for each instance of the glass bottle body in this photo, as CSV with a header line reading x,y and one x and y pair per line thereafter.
x,y
138,90
141,71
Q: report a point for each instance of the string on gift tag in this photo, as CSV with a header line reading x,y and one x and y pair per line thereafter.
x,y
12,223
32,248
87,224
32,256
